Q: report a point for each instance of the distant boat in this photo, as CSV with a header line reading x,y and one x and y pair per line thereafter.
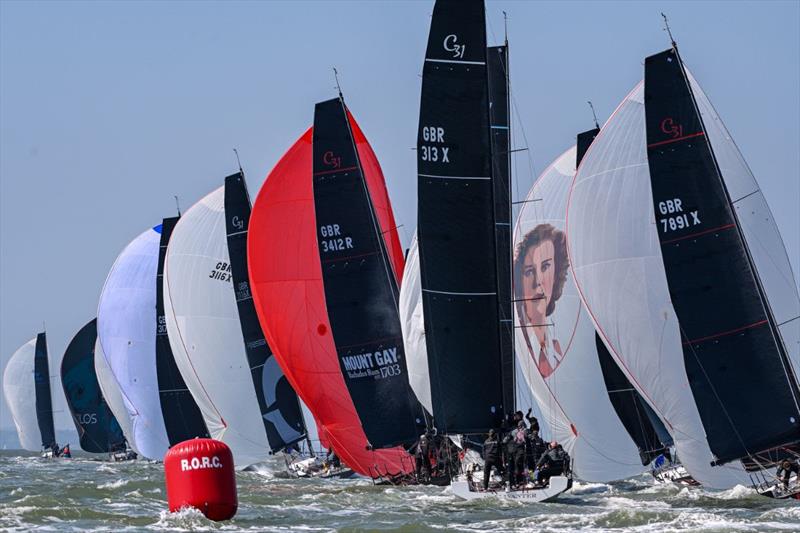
x,y
133,335
679,261
26,385
97,427
325,260
244,397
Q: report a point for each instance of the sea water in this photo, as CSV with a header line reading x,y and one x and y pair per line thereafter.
x,y
88,494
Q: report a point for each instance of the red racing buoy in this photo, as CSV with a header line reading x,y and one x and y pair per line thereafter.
x,y
200,474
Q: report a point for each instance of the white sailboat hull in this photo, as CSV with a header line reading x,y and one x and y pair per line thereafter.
x,y
558,485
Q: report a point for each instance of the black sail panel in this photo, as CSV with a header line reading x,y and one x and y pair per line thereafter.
x,y
585,140
458,263
182,417
630,407
361,291
499,118
278,402
98,430
735,362
44,400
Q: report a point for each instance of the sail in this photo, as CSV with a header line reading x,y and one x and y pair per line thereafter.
x,y
749,403
412,322
19,389
126,327
204,332
556,339
286,275
500,125
97,428
361,288
44,397
616,260
110,390
182,417
277,400
455,227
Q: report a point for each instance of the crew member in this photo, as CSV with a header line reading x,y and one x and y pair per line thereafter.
x,y
787,467
422,458
515,443
532,420
554,462
491,457
536,447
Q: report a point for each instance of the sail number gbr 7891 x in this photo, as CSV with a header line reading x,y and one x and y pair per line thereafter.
x,y
673,216
435,154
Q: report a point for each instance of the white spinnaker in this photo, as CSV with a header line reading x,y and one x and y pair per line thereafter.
x,y
573,397
758,225
205,333
126,328
112,395
616,260
19,389
412,323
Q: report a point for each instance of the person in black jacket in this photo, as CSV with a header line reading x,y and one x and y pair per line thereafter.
x,y
536,447
422,458
532,420
553,463
515,444
787,467
491,457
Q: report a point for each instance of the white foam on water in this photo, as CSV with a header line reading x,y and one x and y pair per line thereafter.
x,y
114,484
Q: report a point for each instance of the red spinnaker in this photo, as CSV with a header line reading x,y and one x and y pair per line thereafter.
x,y
286,280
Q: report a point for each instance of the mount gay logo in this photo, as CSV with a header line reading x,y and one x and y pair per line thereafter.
x,y
200,463
237,222
451,45
331,159
669,127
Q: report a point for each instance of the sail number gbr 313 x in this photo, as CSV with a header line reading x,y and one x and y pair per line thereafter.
x,y
434,154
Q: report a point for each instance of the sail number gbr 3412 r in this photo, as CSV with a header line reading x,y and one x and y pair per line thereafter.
x,y
434,154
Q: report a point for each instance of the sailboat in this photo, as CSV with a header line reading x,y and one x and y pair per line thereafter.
x,y
679,261
463,240
131,328
214,332
26,385
324,260
97,427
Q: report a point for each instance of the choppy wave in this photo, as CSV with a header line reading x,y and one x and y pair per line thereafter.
x,y
84,494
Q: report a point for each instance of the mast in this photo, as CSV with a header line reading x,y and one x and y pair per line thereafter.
x,y
749,404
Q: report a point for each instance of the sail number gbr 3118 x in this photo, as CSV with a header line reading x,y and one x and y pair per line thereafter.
x,y
434,154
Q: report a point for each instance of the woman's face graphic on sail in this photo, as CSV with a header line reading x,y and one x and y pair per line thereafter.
x,y
537,279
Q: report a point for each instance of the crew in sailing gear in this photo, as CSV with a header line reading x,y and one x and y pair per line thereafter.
x,y
422,458
491,457
536,447
515,443
532,420
332,460
786,468
65,452
553,463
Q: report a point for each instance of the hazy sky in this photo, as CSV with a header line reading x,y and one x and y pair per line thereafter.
x,y
109,109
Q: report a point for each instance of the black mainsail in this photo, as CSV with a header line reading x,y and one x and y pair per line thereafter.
x,y
736,363
44,399
361,290
456,223
278,402
182,417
